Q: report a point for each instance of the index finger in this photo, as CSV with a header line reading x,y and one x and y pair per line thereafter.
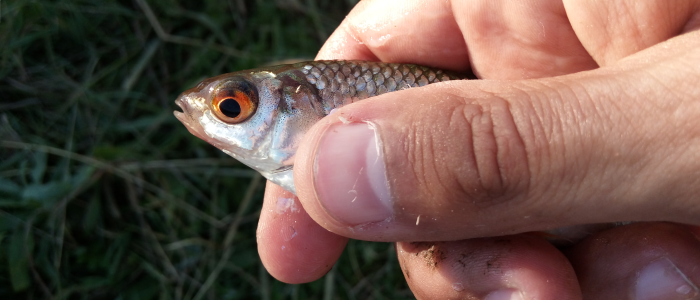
x,y
412,33
496,39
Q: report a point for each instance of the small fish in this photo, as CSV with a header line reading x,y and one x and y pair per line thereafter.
x,y
260,116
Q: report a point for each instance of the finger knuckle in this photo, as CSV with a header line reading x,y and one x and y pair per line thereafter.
x,y
471,152
496,152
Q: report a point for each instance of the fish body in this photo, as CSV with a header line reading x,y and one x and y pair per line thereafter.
x,y
260,116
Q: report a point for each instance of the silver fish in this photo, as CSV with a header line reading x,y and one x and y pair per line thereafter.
x,y
259,116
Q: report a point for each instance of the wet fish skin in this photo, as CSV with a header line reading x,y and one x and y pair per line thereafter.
x,y
291,98
342,82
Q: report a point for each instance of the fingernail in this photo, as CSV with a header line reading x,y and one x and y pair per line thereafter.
x,y
505,294
662,280
350,175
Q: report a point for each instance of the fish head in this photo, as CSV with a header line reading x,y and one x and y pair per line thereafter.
x,y
257,117
260,116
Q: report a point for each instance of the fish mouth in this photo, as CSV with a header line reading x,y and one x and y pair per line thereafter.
x,y
180,115
185,117
188,117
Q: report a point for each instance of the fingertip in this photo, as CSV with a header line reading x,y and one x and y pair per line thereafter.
x,y
293,248
344,45
639,261
511,267
413,33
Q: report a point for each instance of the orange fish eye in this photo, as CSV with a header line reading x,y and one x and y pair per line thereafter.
x,y
234,102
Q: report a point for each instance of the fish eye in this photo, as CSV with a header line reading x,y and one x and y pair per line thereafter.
x,y
230,107
235,101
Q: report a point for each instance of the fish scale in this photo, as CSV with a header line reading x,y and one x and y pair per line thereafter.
x,y
342,82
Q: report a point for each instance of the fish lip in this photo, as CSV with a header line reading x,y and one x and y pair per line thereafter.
x,y
181,115
180,103
187,118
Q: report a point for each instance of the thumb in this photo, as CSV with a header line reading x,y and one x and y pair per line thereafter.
x,y
474,158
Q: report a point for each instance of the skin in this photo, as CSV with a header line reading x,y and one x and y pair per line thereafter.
x,y
591,117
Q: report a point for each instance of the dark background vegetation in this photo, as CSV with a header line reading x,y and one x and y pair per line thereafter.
x,y
104,194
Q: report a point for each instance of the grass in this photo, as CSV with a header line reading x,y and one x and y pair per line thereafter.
x,y
103,194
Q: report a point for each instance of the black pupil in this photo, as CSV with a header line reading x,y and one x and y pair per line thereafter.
x,y
230,108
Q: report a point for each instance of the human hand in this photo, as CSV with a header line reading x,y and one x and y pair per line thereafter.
x,y
525,150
